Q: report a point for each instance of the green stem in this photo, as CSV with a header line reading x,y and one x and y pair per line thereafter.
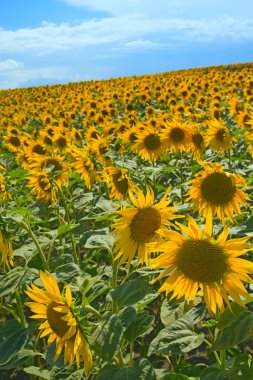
x,y
91,309
28,229
114,283
20,309
223,359
214,352
121,359
131,361
73,243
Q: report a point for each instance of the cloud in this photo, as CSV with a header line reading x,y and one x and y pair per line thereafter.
x,y
22,76
122,30
9,65
167,8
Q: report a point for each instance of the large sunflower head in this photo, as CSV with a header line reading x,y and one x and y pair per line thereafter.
x,y
61,322
141,223
197,264
215,191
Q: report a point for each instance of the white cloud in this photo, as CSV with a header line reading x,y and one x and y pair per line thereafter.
x,y
20,76
122,30
168,8
10,64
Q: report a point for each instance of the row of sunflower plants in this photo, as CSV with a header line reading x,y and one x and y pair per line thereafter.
x,y
125,228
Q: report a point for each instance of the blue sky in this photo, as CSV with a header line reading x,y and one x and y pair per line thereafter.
x,y
60,41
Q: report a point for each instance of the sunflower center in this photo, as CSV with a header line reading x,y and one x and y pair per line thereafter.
x,y
152,141
197,140
120,184
221,135
15,141
218,189
59,327
177,134
202,261
144,224
39,149
61,142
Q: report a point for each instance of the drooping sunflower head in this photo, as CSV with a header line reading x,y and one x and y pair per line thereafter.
x,y
215,191
196,264
142,222
61,324
42,186
6,250
119,182
4,193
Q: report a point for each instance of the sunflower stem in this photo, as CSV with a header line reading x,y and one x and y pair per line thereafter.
x,y
72,236
93,311
20,309
27,227
223,359
214,352
114,283
131,361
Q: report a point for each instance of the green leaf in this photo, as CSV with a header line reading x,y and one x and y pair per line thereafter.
x,y
100,241
22,356
108,337
138,326
131,292
240,329
12,339
42,373
242,368
145,369
16,277
108,372
212,373
171,311
228,316
175,342
111,372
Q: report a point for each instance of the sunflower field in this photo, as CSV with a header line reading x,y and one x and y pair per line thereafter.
x,y
125,228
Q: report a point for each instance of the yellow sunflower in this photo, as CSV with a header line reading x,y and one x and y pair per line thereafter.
x,y
6,251
218,136
197,142
196,264
4,194
41,185
83,165
54,165
148,144
176,135
138,225
60,324
119,183
214,191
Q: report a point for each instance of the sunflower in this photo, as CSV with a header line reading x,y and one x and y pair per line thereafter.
x,y
119,183
218,136
6,250
54,165
13,142
149,145
83,165
198,264
41,185
176,135
141,224
197,142
61,323
214,191
4,194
